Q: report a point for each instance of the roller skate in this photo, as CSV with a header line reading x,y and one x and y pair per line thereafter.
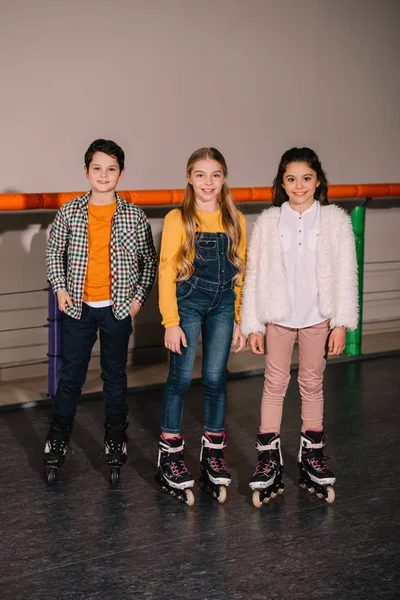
x,y
315,474
214,474
173,474
267,482
55,447
115,446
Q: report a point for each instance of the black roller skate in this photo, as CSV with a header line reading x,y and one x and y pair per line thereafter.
x,y
173,474
315,474
56,446
214,474
267,479
115,446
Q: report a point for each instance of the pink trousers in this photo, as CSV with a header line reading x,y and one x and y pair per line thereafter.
x,y
312,361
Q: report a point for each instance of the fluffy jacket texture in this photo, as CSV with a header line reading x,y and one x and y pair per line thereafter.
x,y
265,295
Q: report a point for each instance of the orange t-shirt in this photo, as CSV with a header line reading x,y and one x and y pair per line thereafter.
x,y
98,274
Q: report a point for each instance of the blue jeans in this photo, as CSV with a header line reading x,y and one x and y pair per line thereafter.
x,y
206,307
79,336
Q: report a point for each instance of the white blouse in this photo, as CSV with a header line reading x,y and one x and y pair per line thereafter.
x,y
299,235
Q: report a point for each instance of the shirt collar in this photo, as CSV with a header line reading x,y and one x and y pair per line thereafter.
x,y
289,210
84,201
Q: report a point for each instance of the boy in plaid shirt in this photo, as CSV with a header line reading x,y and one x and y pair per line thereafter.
x,y
101,286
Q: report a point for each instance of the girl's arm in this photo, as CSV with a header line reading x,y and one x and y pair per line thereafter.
x,y
242,253
249,319
171,242
346,306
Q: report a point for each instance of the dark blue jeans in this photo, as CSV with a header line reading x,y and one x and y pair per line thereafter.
x,y
79,336
208,308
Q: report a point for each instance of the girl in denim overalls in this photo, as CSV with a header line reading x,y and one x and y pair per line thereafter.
x,y
201,267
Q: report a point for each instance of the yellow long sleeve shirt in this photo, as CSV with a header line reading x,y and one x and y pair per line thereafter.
x,y
172,239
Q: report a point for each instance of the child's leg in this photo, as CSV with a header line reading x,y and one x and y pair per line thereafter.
x,y
279,347
312,362
217,340
114,339
180,374
78,338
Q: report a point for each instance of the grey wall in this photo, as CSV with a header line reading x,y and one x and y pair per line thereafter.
x,y
163,77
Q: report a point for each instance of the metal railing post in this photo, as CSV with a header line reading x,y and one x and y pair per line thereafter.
x,y
353,338
54,344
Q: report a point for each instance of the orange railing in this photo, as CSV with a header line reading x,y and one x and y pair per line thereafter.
x,y
166,197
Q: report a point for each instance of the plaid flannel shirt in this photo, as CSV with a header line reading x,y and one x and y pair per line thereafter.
x,y
133,257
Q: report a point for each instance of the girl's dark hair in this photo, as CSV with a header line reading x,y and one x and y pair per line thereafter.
x,y
306,155
108,147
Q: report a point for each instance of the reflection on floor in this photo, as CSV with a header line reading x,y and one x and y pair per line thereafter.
x,y
81,540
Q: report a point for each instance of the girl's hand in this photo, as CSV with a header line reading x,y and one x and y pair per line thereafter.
x,y
239,339
135,307
337,341
256,343
64,300
173,338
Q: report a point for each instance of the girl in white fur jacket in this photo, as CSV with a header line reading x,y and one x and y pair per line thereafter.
x,y
301,279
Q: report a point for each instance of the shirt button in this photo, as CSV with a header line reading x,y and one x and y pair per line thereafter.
x,y
299,230
299,243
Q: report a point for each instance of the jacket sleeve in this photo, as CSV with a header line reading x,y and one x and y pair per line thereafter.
x,y
147,261
250,322
346,313
55,252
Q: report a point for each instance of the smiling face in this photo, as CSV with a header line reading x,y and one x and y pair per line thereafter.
x,y
300,183
207,179
103,173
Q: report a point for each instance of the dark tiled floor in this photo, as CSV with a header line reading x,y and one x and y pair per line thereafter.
x,y
79,539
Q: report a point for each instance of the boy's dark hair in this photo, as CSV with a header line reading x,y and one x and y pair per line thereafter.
x,y
108,147
306,155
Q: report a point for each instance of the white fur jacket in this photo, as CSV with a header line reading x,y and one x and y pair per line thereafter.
x,y
265,295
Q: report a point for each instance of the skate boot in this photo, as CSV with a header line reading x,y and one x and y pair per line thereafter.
x,y
315,474
267,479
173,473
115,446
56,446
214,474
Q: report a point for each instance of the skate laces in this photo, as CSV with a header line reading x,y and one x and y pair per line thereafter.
x,y
319,463
264,465
179,467
115,438
58,446
217,463
114,445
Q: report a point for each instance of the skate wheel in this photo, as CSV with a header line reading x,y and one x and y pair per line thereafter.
x,y
257,502
330,498
114,477
281,490
303,486
311,490
51,474
189,497
273,495
221,496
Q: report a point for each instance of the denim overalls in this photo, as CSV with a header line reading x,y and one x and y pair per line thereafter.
x,y
205,304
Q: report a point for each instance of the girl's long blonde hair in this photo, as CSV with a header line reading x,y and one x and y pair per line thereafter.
x,y
191,221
